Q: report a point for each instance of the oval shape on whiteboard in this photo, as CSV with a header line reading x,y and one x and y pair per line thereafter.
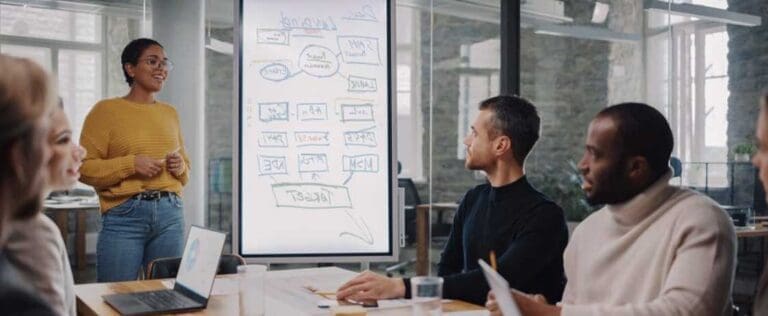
x,y
275,72
318,61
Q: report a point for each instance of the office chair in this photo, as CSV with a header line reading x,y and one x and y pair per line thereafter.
x,y
165,268
677,166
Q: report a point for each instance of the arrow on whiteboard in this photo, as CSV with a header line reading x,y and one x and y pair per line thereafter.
x,y
294,74
350,177
365,233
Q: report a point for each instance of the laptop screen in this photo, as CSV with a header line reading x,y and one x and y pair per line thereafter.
x,y
200,260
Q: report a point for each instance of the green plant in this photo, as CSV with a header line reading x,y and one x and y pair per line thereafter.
x,y
562,183
744,149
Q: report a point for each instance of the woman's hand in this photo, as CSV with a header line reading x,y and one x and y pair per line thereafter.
x,y
175,163
147,167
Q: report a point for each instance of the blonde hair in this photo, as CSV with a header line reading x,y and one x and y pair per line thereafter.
x,y
26,97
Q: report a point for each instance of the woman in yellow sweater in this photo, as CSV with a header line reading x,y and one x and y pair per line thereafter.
x,y
136,162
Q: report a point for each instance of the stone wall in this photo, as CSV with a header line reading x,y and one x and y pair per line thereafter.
x,y
626,72
449,177
565,77
748,75
219,123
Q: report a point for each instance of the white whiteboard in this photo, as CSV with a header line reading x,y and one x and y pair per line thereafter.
x,y
315,145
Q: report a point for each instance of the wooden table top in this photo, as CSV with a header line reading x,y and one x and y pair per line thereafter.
x,y
90,302
745,232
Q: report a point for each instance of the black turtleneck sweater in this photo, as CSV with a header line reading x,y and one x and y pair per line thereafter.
x,y
523,227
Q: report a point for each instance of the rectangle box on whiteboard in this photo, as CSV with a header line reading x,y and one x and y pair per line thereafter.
x,y
311,195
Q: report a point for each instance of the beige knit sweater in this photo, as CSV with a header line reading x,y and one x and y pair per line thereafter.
x,y
36,249
667,251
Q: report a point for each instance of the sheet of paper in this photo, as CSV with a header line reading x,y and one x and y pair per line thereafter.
x,y
500,289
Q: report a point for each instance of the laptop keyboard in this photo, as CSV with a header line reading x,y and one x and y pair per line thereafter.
x,y
163,300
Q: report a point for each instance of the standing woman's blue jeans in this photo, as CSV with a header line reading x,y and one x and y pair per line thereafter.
x,y
137,232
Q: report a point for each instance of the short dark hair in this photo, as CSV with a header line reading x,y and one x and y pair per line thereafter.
x,y
642,131
517,119
132,52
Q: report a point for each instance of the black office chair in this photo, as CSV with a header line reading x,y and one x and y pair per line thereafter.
x,y
677,166
165,268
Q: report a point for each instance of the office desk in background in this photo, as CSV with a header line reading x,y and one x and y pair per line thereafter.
x,y
286,294
60,210
747,232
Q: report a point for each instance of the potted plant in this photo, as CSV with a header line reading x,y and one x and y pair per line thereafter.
x,y
562,183
742,152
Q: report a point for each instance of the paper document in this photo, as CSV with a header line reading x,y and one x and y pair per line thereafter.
x,y
500,289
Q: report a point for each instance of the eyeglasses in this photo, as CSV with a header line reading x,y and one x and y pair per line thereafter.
x,y
159,63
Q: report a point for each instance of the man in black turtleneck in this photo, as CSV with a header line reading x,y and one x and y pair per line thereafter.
x,y
507,215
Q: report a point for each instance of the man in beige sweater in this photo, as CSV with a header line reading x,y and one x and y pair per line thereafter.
x,y
653,249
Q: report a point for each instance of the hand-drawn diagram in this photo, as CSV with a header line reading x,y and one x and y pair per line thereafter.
x,y
313,163
273,139
275,37
277,111
361,84
357,112
331,140
365,137
306,138
312,111
271,165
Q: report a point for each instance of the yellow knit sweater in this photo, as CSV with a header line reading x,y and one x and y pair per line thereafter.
x,y
114,133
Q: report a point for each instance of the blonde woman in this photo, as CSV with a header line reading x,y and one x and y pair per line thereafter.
x,y
35,245
26,98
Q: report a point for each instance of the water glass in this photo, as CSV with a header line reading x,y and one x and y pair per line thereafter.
x,y
427,295
251,292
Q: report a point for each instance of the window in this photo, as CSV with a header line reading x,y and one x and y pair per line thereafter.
x,y
80,44
27,21
79,77
69,41
409,125
40,55
697,103
479,66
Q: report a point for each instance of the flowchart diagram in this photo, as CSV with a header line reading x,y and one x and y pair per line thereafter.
x,y
315,113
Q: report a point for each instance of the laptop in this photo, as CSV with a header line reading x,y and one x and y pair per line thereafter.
x,y
193,282
500,288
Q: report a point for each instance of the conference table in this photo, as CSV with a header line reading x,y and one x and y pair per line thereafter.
x,y
286,293
60,207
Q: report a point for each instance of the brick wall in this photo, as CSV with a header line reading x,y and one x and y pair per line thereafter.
x,y
748,75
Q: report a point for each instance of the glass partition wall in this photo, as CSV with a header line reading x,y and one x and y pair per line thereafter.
x,y
576,57
700,62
